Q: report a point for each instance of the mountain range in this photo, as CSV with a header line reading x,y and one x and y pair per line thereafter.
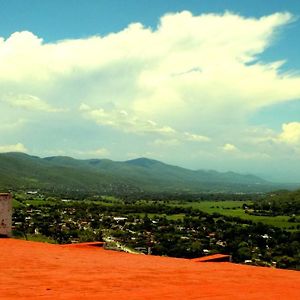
x,y
23,171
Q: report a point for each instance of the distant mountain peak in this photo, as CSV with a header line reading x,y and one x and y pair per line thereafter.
x,y
60,157
143,162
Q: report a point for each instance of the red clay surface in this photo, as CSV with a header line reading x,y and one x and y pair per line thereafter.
x,y
32,270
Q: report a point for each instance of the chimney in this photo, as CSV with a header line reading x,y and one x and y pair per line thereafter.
x,y
5,214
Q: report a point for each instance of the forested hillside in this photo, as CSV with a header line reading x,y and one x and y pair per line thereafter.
x,y
18,170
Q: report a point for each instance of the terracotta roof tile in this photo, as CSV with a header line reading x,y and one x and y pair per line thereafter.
x,y
32,270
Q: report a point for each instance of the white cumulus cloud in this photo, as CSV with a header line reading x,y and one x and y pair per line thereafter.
x,y
194,68
196,137
13,148
230,148
290,133
123,121
28,102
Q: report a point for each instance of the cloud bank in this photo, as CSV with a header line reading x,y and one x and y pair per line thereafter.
x,y
193,81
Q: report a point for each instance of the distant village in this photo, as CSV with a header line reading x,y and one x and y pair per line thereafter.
x,y
149,227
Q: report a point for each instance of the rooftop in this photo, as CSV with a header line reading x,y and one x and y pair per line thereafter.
x,y
38,270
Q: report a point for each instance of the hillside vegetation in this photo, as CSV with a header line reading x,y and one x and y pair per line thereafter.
x,y
18,170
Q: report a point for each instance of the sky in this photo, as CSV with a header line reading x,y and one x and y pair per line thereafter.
x,y
201,84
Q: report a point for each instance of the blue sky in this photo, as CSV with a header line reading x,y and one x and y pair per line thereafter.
x,y
201,84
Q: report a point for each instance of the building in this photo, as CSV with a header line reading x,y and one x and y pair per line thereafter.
x,y
5,214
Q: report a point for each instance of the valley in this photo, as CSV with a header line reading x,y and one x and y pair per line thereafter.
x,y
161,227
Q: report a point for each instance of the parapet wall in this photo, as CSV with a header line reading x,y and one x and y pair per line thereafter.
x,y
5,214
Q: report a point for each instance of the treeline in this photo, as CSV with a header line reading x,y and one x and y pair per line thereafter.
x,y
278,203
133,195
189,197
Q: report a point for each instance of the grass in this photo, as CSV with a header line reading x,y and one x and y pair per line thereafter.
x,y
152,216
235,209
36,238
39,202
17,204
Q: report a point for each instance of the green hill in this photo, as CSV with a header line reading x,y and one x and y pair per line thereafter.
x,y
19,170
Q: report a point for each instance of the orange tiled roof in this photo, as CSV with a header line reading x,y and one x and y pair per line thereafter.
x,y
212,257
32,270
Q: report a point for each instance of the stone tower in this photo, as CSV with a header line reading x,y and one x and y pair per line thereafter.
x,y
5,214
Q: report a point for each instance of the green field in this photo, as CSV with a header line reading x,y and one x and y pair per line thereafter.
x,y
234,209
36,238
152,216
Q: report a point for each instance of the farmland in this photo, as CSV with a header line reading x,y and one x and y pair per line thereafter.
x,y
235,209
